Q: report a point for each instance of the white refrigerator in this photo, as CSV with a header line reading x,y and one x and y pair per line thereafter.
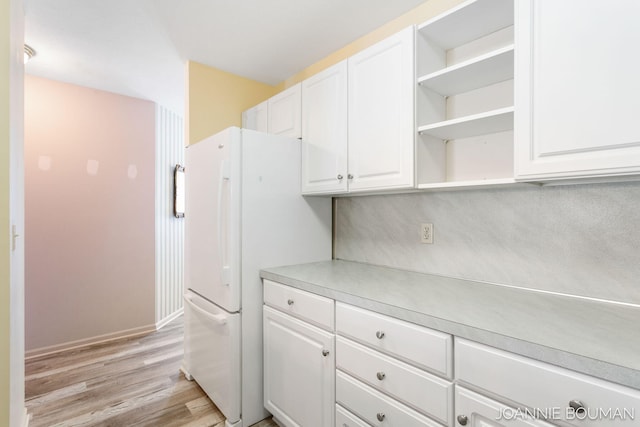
x,y
243,212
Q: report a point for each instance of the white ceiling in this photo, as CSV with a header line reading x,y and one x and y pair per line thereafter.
x,y
139,47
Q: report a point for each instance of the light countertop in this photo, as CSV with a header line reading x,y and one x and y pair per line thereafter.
x,y
590,336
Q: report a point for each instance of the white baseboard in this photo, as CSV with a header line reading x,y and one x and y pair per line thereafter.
x,y
26,418
43,351
161,323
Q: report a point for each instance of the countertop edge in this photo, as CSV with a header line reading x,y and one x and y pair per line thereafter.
x,y
575,362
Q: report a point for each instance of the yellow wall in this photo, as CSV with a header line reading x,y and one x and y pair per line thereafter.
x,y
417,15
216,99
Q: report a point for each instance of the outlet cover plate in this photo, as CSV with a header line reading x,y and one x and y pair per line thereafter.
x,y
426,233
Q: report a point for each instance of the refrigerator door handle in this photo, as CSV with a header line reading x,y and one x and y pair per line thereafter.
x,y
224,269
220,319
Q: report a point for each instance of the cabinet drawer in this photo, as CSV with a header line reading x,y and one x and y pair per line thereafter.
x,y
412,386
543,387
304,305
479,410
420,346
345,418
374,407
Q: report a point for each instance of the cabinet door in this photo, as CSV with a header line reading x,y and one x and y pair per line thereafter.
x,y
381,114
475,410
324,131
299,378
577,88
284,113
255,118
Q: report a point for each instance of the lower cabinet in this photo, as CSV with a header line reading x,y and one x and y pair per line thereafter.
x,y
369,369
299,360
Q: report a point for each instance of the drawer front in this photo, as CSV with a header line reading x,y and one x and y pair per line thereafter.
x,y
304,305
480,411
374,407
547,389
426,393
345,418
417,345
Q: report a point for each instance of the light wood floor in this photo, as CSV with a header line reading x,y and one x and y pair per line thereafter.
x,y
128,382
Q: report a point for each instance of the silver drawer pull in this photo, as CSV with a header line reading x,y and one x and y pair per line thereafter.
x,y
577,406
462,420
381,375
380,416
339,177
290,302
325,353
380,335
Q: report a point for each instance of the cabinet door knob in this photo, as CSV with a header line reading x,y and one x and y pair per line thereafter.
x,y
290,302
462,420
381,375
349,176
577,406
380,335
340,177
325,353
380,416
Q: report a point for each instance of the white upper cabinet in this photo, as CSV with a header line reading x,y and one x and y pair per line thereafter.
x,y
285,113
256,118
381,115
578,91
324,131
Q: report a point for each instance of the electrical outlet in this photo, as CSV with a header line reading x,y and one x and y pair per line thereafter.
x,y
426,233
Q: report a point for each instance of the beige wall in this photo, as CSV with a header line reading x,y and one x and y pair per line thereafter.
x,y
89,175
216,99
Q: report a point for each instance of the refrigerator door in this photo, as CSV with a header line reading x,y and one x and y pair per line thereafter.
x,y
212,352
212,213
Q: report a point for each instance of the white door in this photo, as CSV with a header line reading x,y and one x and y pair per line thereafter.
x,y
299,364
284,113
381,114
577,88
256,118
324,131
475,410
212,353
212,212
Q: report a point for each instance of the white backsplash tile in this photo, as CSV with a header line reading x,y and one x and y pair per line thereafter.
x,y
575,239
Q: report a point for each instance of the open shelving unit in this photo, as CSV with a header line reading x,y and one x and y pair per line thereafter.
x,y
464,96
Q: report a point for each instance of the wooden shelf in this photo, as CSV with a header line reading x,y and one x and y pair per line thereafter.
x,y
474,125
468,21
484,70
